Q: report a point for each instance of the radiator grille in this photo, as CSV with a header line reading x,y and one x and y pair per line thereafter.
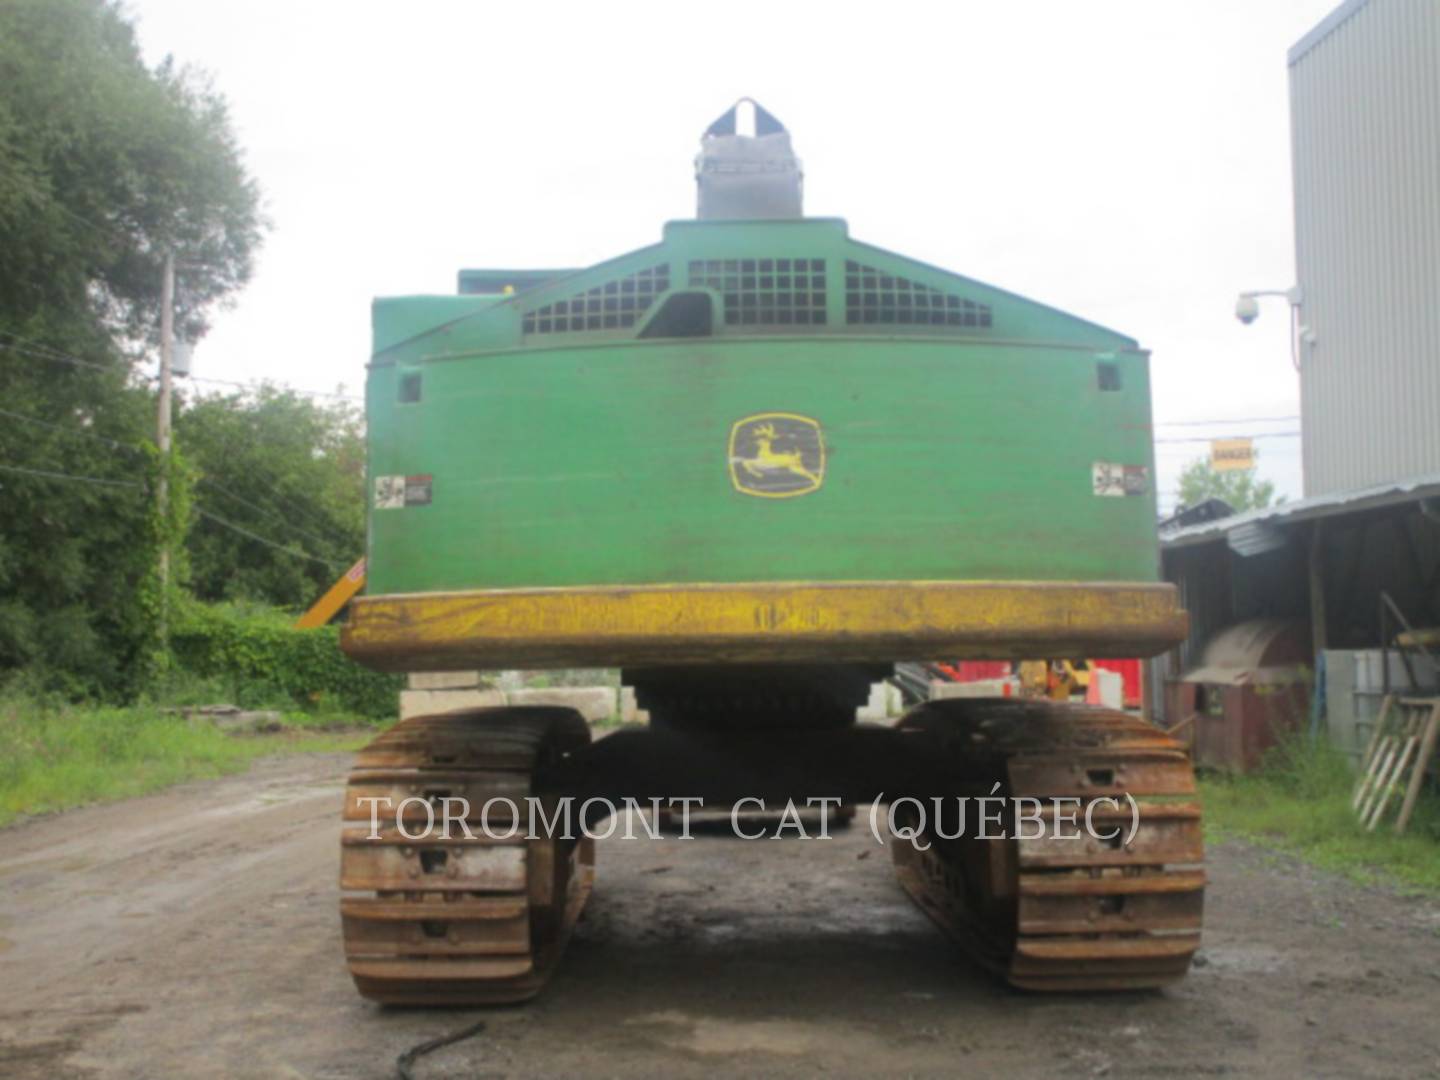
x,y
765,292
875,297
615,305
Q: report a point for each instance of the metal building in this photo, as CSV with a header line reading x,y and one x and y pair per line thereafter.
x,y
1365,123
1357,558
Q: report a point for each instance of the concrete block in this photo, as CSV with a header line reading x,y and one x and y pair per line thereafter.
x,y
596,703
434,702
943,691
445,680
630,711
885,702
232,718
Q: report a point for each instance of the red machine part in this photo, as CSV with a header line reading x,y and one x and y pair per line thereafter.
x,y
975,670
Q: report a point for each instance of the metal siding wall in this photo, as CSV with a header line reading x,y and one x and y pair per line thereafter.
x,y
1365,121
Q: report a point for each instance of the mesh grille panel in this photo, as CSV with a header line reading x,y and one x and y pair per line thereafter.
x,y
615,305
873,296
765,292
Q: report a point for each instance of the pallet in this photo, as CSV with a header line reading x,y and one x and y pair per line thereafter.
x,y
1402,744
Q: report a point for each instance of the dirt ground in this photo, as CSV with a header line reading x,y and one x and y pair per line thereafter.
x,y
193,933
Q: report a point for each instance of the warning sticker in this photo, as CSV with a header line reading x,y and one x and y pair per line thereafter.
x,y
398,492
417,489
1112,478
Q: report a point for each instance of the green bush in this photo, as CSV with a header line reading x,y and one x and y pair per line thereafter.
x,y
268,662
55,755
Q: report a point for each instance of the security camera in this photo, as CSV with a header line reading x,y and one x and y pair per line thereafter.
x,y
1247,309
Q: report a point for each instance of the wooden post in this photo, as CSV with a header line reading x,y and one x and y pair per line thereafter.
x,y
162,429
1319,638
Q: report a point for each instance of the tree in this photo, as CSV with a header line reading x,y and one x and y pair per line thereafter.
x,y
104,166
290,471
1240,488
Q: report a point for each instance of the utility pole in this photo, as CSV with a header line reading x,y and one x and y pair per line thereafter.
x,y
162,429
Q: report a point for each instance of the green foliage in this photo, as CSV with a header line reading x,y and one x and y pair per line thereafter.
x,y
73,557
290,469
54,755
263,655
1240,488
1300,802
104,165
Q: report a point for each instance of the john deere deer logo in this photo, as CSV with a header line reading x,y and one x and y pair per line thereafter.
x,y
777,455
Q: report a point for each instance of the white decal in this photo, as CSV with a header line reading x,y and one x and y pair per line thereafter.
x,y
389,492
1111,478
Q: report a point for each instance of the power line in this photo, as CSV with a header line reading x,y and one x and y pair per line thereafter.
x,y
30,341
280,386
70,430
268,512
45,352
295,552
48,475
296,507
55,357
1236,420
1262,435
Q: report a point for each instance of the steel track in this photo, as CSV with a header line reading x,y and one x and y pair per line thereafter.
x,y
465,922
460,921
1055,914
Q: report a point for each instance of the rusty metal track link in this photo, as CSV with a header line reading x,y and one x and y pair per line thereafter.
x,y
1054,914
446,919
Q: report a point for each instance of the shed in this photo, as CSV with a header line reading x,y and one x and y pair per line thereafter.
x,y
1250,689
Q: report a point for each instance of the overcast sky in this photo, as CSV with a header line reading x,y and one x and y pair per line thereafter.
x,y
1125,161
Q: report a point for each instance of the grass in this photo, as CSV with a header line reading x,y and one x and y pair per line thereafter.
x,y
1300,803
55,756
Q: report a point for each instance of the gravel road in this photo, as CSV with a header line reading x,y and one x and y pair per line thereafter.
x,y
193,934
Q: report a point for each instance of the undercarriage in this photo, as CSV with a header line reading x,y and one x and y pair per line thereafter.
x,y
1058,845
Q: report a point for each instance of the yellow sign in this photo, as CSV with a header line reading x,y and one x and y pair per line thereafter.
x,y
777,455
1232,455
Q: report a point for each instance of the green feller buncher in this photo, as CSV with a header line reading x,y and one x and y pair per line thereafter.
x,y
754,465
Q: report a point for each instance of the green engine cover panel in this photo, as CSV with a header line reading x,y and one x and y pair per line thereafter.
x,y
612,466
1017,448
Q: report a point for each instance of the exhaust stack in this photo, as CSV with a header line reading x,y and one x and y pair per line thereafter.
x,y
751,176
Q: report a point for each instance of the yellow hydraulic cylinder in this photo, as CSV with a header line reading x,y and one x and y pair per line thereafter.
x,y
335,598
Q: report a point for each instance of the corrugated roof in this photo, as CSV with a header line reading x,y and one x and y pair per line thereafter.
x,y
1345,502
1324,28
